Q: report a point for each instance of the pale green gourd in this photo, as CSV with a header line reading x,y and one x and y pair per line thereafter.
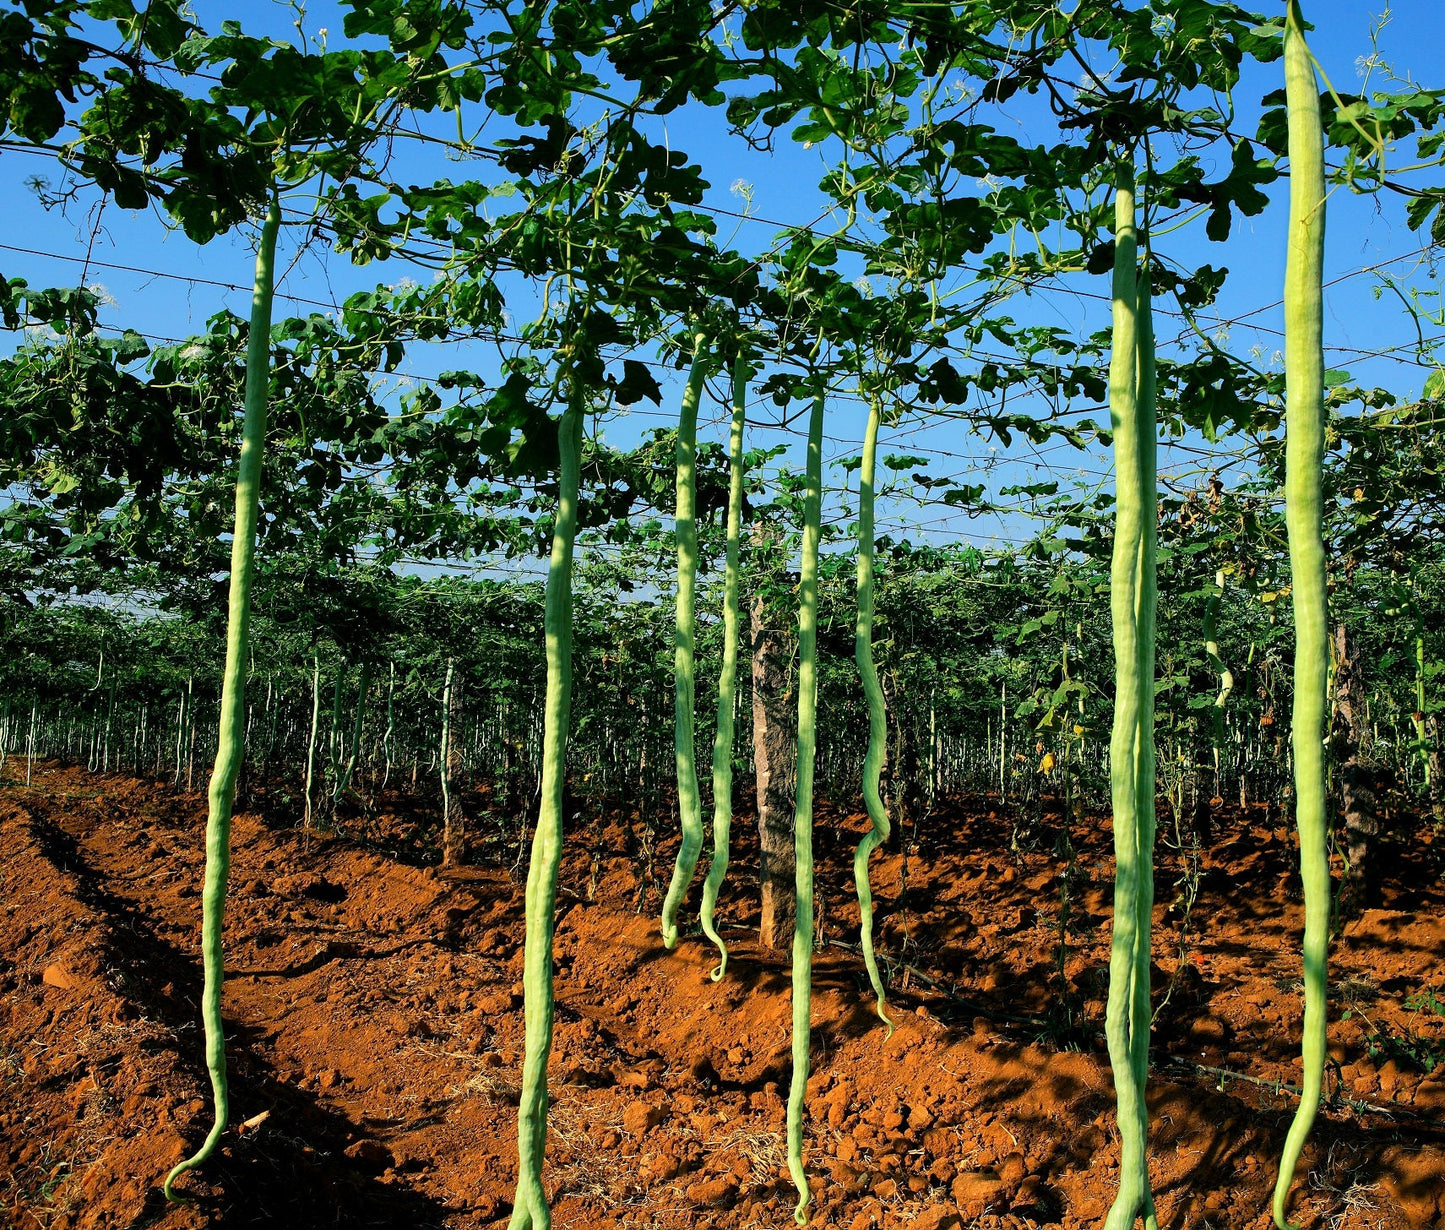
x,y
722,744
1146,602
1303,512
803,812
530,1204
877,721
689,805
1131,754
230,740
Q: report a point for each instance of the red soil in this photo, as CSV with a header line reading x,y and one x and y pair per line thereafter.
x,y
375,1026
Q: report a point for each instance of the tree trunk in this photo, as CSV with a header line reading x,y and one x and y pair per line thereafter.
x,y
1437,801
1350,736
773,755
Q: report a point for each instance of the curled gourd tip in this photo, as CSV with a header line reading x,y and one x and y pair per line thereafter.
x,y
168,1191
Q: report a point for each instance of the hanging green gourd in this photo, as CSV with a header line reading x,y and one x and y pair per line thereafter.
x,y
803,813
877,721
722,744
689,805
1131,748
530,1204
230,739
1303,512
1146,603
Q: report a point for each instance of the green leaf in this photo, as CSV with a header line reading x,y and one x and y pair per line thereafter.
x,y
637,382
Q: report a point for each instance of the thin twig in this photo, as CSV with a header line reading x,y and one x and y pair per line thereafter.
x,y
947,992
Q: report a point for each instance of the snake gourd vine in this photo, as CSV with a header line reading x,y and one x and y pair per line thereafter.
x,y
230,737
722,744
1304,454
530,1204
689,805
877,722
803,813
1131,744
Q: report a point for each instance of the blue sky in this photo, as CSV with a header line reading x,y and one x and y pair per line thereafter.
x,y
1362,232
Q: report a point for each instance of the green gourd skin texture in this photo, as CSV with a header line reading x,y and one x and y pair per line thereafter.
x,y
1146,601
530,1206
877,721
1130,747
803,814
722,744
689,804
230,743
1304,453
